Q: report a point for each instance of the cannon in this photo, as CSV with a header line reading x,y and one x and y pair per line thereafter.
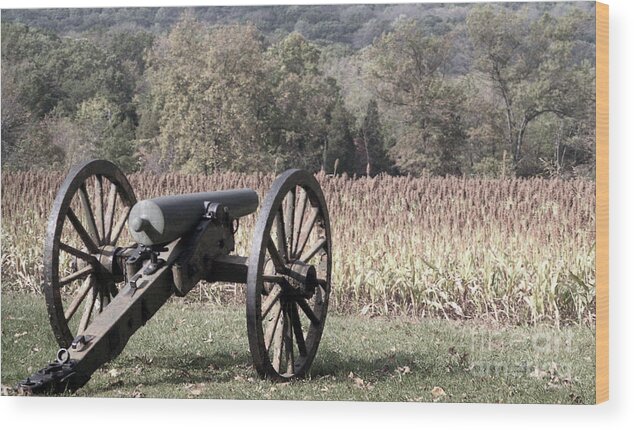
x,y
99,291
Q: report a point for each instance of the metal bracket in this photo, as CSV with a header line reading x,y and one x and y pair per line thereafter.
x,y
134,261
217,212
141,252
133,281
81,341
135,284
155,264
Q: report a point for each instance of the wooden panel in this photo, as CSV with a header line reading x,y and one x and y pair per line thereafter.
x,y
602,200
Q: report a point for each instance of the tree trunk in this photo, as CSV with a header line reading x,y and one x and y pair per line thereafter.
x,y
324,156
517,153
558,139
368,167
510,122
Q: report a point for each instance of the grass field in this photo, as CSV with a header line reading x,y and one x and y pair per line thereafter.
x,y
200,350
519,251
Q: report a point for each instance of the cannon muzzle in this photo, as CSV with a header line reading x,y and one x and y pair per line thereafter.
x,y
164,219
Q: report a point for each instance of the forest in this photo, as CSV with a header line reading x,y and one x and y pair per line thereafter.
x,y
496,90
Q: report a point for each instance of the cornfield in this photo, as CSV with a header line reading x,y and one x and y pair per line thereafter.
x,y
518,251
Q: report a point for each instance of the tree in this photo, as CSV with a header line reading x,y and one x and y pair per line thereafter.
x,y
455,90
486,151
372,142
15,115
34,149
106,133
311,128
407,69
45,81
532,67
131,47
339,147
27,64
208,88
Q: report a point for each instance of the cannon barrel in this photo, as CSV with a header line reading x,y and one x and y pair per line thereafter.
x,y
164,219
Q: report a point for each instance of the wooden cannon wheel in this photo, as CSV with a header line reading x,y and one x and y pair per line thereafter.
x,y
87,219
288,281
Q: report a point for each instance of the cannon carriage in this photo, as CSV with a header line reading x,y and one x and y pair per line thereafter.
x,y
100,290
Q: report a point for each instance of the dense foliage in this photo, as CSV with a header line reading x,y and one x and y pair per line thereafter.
x,y
492,90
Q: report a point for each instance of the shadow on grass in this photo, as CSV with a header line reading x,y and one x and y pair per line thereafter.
x,y
220,367
379,367
186,367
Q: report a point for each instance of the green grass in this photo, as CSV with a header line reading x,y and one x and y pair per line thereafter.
x,y
193,350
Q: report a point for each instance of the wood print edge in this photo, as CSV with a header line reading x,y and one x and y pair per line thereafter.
x,y
602,201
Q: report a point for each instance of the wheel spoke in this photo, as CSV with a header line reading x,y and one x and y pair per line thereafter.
x,y
271,299
299,218
289,216
118,228
113,290
310,254
90,219
81,231
77,253
271,327
297,328
276,257
106,297
306,234
110,208
281,233
88,308
278,341
275,279
323,284
308,311
288,344
78,274
99,206
81,295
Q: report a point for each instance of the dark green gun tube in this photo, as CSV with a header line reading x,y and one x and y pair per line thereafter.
x,y
164,219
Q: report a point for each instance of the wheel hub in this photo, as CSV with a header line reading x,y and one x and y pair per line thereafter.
x,y
106,258
302,278
299,279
